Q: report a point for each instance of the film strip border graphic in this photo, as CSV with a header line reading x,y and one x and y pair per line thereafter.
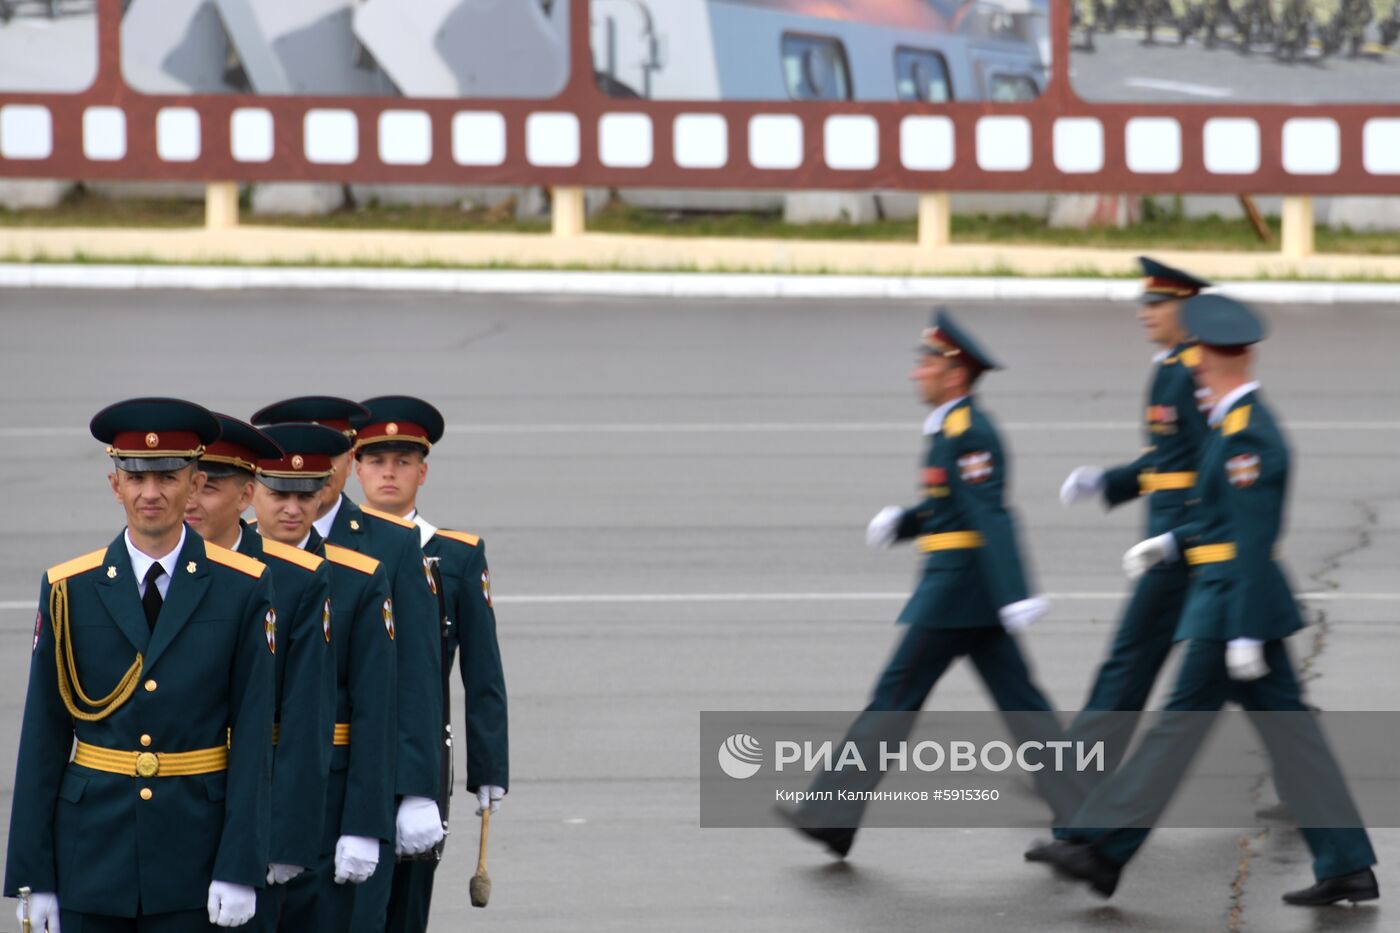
x,y
1057,142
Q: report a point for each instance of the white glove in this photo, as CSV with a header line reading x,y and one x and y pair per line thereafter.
x,y
277,873
883,527
231,905
355,858
419,826
43,912
1016,616
1145,555
1083,483
489,795
1244,659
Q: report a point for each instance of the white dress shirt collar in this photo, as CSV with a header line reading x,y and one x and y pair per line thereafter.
x,y
426,529
324,523
301,545
141,564
1222,407
934,422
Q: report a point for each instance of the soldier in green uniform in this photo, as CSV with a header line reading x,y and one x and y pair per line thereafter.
x,y
394,542
305,666
1163,474
975,591
156,655
356,816
1238,611
391,452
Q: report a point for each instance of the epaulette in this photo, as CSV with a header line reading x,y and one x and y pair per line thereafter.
x,y
240,562
292,555
462,536
344,557
1190,357
957,422
71,568
401,522
1236,421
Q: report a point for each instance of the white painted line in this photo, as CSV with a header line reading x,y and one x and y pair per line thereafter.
x,y
657,284
768,427
580,599
1180,87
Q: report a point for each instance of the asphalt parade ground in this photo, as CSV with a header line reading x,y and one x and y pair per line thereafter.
x,y
674,495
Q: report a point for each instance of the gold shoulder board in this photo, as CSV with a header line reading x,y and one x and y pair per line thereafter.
x,y
401,522
1236,421
344,557
77,565
1190,357
240,562
292,555
957,422
467,539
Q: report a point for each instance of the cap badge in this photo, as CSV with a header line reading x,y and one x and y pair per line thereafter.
x,y
391,428
152,439
298,462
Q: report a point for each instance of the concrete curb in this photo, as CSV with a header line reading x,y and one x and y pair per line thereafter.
x,y
654,285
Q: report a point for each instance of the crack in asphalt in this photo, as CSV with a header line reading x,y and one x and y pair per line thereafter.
x,y
1319,622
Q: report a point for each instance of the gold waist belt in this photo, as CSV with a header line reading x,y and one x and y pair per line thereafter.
x,y
341,736
949,541
1210,553
1156,482
152,764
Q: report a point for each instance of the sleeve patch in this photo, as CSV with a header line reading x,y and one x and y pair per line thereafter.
x,y
976,467
270,629
1243,470
389,618
486,586
935,476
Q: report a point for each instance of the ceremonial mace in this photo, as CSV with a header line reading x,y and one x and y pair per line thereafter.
x,y
480,886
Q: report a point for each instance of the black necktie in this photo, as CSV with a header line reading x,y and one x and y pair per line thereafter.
x,y
152,601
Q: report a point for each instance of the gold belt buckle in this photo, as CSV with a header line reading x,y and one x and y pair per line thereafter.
x,y
147,765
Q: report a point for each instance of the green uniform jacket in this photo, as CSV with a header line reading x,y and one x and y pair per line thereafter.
x,y
467,581
303,681
1176,430
206,682
418,646
964,484
1242,491
360,797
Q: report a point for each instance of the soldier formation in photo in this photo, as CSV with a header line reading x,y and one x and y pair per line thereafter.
x,y
1289,28
1214,477
233,722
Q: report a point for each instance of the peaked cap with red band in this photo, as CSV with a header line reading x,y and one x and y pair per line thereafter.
x,y
154,435
945,337
1164,283
339,413
307,451
399,422
240,447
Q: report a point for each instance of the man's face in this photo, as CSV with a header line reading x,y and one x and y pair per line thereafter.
x,y
1159,322
330,493
285,516
936,379
155,503
391,478
216,508
1219,372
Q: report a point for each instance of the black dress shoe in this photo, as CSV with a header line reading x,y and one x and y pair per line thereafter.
x,y
837,841
1356,887
1040,850
1082,862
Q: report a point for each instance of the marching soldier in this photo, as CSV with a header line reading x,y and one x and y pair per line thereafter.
x,y
1238,611
156,654
355,815
1163,474
395,543
391,453
304,678
975,592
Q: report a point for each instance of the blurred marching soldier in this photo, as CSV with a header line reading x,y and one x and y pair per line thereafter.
x,y
1351,22
395,543
1294,18
156,654
974,594
1172,12
355,814
1238,611
1212,14
391,452
1163,474
1389,21
304,679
